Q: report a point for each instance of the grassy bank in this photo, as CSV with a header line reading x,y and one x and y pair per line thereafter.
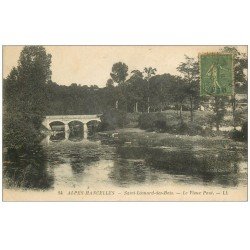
x,y
172,117
138,137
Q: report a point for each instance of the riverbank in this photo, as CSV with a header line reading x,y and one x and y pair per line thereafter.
x,y
138,137
128,160
172,117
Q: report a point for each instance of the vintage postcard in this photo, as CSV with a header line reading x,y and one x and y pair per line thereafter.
x,y
125,123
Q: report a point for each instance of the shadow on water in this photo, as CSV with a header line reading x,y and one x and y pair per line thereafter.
x,y
70,162
72,135
76,131
220,167
141,164
129,172
57,137
27,168
78,162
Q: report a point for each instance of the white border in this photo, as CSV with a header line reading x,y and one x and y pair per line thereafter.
x,y
124,225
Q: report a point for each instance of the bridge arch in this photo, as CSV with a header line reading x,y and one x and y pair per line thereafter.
x,y
93,126
75,121
67,119
57,125
94,120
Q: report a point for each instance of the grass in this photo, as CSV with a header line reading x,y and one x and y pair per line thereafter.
x,y
138,137
172,117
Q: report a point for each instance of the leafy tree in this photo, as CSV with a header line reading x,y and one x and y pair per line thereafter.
x,y
240,68
110,83
219,111
149,72
179,94
136,74
33,74
119,74
190,71
240,78
25,94
135,90
161,87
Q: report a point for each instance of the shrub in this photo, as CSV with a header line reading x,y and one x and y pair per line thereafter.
x,y
195,129
152,121
160,126
235,135
157,122
239,135
19,131
180,128
113,119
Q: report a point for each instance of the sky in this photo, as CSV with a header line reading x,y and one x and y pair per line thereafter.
x,y
89,65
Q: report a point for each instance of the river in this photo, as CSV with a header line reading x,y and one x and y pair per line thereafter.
x,y
97,163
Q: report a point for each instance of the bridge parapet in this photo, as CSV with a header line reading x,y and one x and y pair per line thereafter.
x,y
66,119
69,117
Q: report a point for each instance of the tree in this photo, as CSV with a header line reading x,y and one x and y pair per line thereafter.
x,y
161,87
25,93
240,78
135,90
33,75
179,94
190,71
149,72
119,74
110,83
240,67
219,111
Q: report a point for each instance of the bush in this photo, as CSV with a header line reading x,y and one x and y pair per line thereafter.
x,y
180,128
157,122
113,119
160,126
19,131
235,135
239,135
152,121
195,129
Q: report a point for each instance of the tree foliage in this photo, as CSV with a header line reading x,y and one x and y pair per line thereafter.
x,y
29,93
119,72
25,95
190,73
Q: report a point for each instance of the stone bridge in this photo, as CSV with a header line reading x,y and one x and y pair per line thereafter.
x,y
66,119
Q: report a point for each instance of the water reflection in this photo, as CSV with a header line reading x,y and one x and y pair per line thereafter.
x,y
144,164
58,136
68,135
27,169
84,162
220,167
127,172
78,162
76,131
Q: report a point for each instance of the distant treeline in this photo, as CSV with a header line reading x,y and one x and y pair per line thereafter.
x,y
139,92
136,94
29,94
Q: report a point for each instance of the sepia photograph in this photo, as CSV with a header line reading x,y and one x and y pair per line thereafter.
x,y
125,123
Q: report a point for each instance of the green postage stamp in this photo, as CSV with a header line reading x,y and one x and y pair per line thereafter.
x,y
216,74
